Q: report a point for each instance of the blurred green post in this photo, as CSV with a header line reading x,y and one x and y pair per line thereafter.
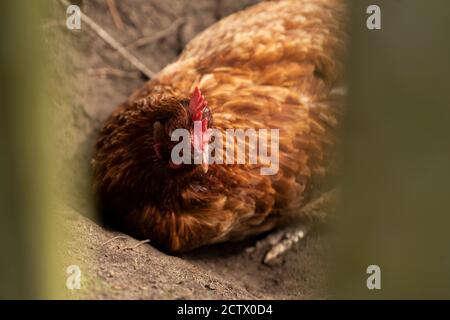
x,y
25,154
395,206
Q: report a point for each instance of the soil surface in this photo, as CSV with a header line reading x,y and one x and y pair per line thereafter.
x,y
96,79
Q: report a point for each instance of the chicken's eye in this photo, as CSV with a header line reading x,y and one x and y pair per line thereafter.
x,y
208,115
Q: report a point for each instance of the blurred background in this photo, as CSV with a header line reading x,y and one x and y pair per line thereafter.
x,y
58,86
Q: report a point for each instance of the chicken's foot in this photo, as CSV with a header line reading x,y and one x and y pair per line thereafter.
x,y
283,240
287,240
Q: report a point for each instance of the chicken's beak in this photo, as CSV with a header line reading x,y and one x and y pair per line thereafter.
x,y
205,161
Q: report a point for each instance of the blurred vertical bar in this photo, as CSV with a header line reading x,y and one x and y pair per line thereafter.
x,y
24,153
395,208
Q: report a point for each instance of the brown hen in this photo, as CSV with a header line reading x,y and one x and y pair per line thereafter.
x,y
273,65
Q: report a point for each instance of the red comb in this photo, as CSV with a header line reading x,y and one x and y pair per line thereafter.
x,y
197,105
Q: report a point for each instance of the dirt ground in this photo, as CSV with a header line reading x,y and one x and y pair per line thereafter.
x,y
97,79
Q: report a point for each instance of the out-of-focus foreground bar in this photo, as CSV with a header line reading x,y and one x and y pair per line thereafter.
x,y
395,209
24,153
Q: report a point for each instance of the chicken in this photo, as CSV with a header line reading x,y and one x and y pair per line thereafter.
x,y
272,66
